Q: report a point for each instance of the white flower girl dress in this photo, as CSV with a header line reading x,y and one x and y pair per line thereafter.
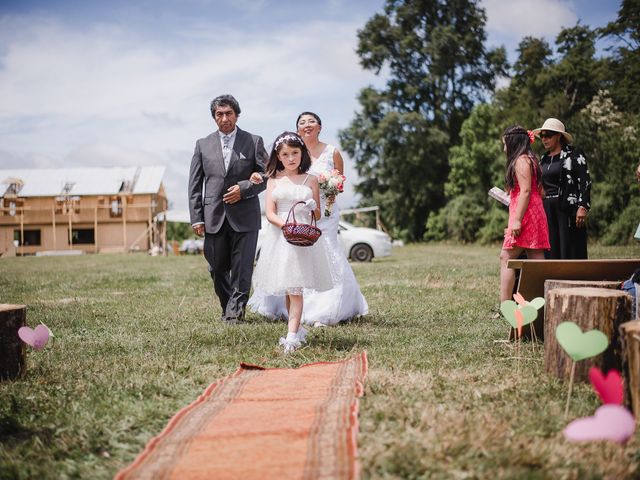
x,y
284,268
321,306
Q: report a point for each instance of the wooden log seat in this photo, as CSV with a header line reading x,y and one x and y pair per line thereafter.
x,y
533,274
630,335
590,308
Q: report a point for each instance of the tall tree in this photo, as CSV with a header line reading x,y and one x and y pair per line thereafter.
x,y
577,76
624,66
437,65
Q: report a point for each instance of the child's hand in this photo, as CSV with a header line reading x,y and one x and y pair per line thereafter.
x,y
311,204
255,178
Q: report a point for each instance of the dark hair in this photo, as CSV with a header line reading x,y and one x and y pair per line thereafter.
x,y
224,101
563,141
291,139
308,113
518,143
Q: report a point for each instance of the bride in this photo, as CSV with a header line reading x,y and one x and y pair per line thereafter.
x,y
345,300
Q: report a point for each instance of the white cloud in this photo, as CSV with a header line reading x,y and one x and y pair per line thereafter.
x,y
515,19
106,96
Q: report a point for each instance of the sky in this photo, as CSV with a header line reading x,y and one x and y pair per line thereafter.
x,y
126,82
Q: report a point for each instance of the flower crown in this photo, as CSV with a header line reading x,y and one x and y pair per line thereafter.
x,y
530,134
292,137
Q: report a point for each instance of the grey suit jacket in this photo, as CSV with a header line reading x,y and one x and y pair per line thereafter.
x,y
207,168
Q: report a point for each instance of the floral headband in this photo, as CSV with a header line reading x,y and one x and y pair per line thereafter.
x,y
292,137
530,134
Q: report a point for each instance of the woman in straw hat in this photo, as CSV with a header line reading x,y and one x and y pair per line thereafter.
x,y
567,186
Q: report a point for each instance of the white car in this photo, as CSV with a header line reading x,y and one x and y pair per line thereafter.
x,y
360,244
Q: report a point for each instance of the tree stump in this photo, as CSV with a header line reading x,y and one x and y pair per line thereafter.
x,y
590,308
630,333
552,284
13,357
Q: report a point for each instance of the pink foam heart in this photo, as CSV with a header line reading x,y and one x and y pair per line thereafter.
x,y
36,338
610,422
608,388
519,299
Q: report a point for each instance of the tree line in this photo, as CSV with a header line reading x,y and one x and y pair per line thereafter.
x,y
427,145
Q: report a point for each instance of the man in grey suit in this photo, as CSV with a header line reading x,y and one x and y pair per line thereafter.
x,y
227,210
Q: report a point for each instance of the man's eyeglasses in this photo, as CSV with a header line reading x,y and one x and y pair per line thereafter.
x,y
548,134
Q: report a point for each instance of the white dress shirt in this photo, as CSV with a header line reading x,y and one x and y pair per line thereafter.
x,y
232,140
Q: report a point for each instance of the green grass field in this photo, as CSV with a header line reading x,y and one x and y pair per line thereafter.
x,y
138,338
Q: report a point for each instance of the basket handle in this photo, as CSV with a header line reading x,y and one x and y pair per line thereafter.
x,y
292,214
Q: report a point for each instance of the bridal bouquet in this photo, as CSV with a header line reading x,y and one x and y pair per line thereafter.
x,y
331,183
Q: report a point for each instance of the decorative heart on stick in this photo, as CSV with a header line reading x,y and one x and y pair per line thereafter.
x,y
580,345
536,303
36,338
519,298
610,422
608,388
508,309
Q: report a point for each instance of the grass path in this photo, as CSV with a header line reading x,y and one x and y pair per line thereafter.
x,y
137,338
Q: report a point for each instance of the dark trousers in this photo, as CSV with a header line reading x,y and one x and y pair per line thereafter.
x,y
230,255
566,240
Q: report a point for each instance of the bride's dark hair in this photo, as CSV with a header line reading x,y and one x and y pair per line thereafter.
x,y
291,139
517,141
314,115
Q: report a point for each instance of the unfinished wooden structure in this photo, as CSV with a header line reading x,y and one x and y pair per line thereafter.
x,y
92,210
590,308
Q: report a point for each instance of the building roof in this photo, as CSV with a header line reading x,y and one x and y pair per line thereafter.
x,y
83,181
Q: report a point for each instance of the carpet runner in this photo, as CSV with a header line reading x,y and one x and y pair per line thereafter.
x,y
263,423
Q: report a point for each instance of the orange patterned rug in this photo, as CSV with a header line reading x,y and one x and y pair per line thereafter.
x,y
263,423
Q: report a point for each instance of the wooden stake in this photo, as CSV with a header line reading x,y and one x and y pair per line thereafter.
x,y
534,337
518,355
573,372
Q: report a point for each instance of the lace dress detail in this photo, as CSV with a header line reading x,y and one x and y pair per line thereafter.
x,y
344,300
284,268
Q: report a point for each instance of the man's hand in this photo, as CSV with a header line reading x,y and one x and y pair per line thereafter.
x,y
233,195
199,229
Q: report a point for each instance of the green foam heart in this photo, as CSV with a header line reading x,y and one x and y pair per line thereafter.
x,y
537,303
508,309
579,345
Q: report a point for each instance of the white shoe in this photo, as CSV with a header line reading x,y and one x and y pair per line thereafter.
x,y
290,346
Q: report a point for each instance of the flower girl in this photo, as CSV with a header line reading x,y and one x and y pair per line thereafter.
x,y
284,269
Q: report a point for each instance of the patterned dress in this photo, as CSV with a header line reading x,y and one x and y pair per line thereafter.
x,y
534,233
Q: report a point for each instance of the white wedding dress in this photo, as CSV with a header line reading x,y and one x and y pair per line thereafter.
x,y
344,300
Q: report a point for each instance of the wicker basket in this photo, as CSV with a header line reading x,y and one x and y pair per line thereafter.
x,y
300,234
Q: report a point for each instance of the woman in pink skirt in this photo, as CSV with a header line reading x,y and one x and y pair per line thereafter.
x,y
527,230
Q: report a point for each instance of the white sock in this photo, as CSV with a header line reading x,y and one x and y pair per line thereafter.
x,y
291,337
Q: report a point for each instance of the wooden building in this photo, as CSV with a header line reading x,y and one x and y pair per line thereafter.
x,y
116,209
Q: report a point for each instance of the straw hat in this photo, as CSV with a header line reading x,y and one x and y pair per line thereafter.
x,y
554,125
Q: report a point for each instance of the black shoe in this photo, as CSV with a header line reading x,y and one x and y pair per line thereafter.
x,y
231,320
